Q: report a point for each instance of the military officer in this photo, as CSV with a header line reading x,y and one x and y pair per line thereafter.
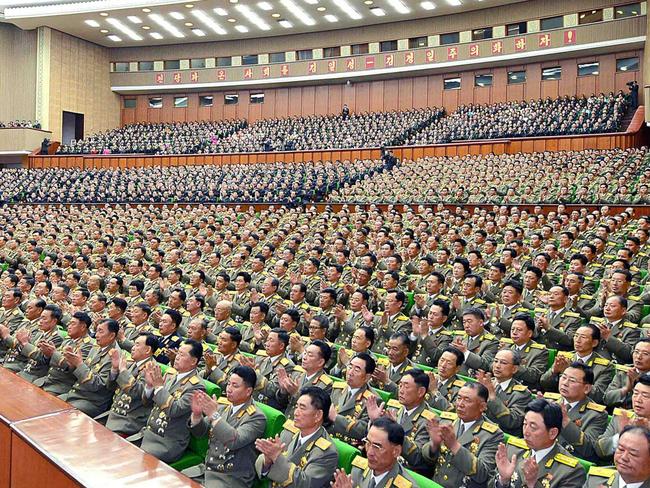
x,y
350,320
631,459
430,333
382,468
218,366
390,321
538,459
349,415
387,378
167,333
502,315
90,393
477,344
232,424
128,415
60,378
444,386
583,421
10,314
462,445
303,455
619,391
507,398
534,356
167,434
618,335
559,324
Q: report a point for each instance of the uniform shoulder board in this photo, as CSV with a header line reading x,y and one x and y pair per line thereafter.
x,y
368,394
602,361
622,367
567,460
87,339
360,462
284,361
339,384
539,310
401,482
299,369
194,380
480,301
587,297
288,425
446,332
175,338
428,414
489,336
598,265
522,310
444,297
448,415
520,388
537,345
304,306
622,412
402,317
631,325
15,312
507,340
573,315
490,427
459,383
394,403
601,471
517,442
380,313
323,444
171,372
288,302
596,407
552,396
634,298
261,352
326,380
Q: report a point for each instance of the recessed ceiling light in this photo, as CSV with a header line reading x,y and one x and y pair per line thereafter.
x,y
146,10
134,20
176,15
198,32
188,24
220,11
146,27
209,22
265,6
427,5
124,29
241,28
114,38
104,31
311,2
368,2
234,1
189,5
156,35
92,23
321,9
379,12
285,23
104,14
276,16
399,6
253,17
330,18
162,22
298,12
454,3
345,6
232,20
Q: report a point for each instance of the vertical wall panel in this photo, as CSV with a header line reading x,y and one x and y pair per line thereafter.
x,y
295,102
362,97
391,100
420,92
377,96
282,102
308,100
321,102
405,94
335,99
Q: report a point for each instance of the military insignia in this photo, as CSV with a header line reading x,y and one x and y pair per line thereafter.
x,y
303,461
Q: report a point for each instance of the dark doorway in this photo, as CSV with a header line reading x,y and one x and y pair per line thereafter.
x,y
73,126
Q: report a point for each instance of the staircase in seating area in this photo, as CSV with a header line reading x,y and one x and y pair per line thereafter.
x,y
625,121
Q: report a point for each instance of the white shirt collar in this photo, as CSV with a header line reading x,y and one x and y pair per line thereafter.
x,y
504,385
354,391
630,485
379,478
585,359
467,425
539,455
307,437
237,408
180,376
570,405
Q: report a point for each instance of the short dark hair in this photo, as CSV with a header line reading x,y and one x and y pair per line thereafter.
x,y
550,411
112,325
234,333
369,332
196,350
481,390
527,319
637,429
176,316
460,357
283,335
368,359
151,341
516,285
247,374
55,311
320,400
476,312
420,378
325,349
83,317
588,372
120,303
394,430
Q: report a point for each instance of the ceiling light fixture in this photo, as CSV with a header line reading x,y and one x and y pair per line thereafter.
x,y
241,28
103,31
285,23
124,29
92,23
189,24
428,5
276,16
198,32
146,27
134,20
399,6
220,11
454,3
209,22
156,35
146,10
189,5
162,22
231,20
298,12
347,9
103,14
379,12
330,18
321,9
114,38
253,17
176,15
265,6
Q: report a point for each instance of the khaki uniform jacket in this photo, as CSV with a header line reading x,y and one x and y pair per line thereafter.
x,y
473,464
128,415
13,319
397,323
534,362
481,351
563,325
558,469
91,393
310,465
230,460
320,380
221,372
267,387
507,409
397,477
351,423
60,377
347,328
607,443
429,349
416,435
28,359
621,342
445,395
603,374
167,433
588,423
608,477
614,396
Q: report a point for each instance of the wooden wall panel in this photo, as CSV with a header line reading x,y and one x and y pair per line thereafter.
x,y
321,102
405,94
295,102
420,92
18,60
335,100
391,95
434,91
282,102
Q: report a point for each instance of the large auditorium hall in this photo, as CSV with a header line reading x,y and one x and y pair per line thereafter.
x,y
324,244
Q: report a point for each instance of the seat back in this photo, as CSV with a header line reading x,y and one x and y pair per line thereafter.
x,y
274,419
346,454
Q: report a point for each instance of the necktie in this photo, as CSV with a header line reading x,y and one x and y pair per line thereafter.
x,y
372,482
461,429
498,389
